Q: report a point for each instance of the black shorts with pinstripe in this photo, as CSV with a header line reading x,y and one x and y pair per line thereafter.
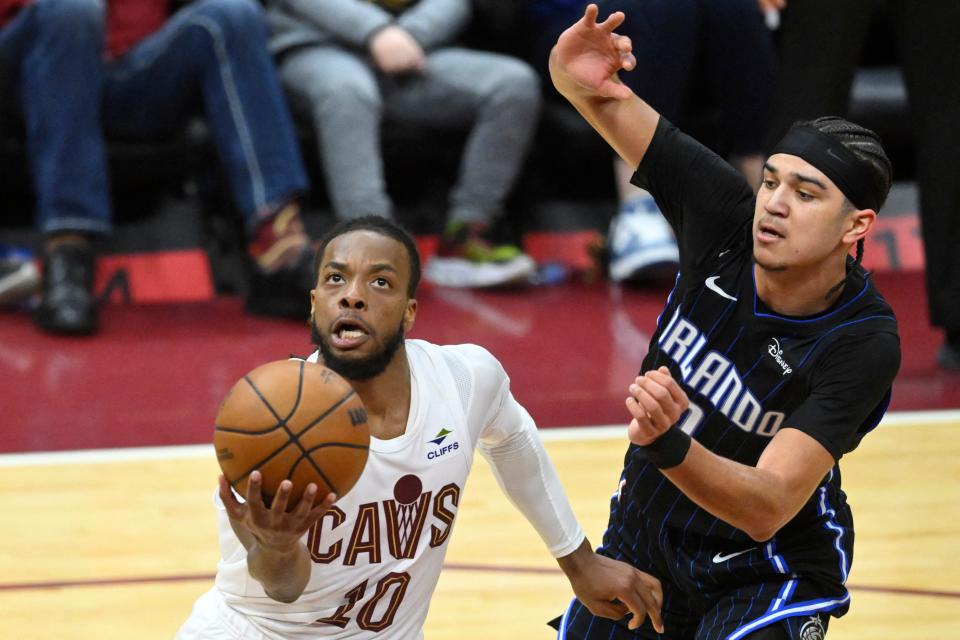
x,y
718,589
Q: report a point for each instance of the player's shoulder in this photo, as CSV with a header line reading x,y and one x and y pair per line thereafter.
x,y
464,360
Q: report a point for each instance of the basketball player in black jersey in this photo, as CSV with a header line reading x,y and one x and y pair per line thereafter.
x,y
773,357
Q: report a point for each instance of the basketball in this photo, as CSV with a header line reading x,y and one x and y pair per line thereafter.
x,y
292,420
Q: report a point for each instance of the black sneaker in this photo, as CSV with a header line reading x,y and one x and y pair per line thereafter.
x,y
67,304
283,293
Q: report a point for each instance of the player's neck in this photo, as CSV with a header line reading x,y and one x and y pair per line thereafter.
x,y
387,398
799,292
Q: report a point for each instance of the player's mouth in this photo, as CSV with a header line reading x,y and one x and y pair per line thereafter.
x,y
768,233
349,333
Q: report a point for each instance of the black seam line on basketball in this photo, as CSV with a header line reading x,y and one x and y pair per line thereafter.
x,y
296,403
264,400
343,445
262,462
246,432
323,415
316,468
296,440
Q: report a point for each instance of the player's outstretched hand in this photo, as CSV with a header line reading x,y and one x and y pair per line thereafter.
x,y
588,55
656,402
274,527
612,589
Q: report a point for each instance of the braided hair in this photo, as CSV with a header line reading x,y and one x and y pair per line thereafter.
x,y
866,146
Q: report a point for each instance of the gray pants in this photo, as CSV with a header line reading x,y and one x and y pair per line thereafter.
x,y
496,96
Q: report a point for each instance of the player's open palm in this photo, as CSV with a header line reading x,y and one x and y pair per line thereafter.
x,y
588,56
275,526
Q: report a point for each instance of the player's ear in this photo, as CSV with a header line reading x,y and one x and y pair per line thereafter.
x,y
409,314
858,225
313,301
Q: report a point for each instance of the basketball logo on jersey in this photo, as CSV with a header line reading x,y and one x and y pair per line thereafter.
x,y
441,448
812,629
403,522
405,516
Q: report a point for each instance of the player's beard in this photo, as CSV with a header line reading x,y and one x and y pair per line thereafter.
x,y
358,368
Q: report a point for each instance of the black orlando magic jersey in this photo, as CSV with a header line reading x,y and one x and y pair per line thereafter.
x,y
748,371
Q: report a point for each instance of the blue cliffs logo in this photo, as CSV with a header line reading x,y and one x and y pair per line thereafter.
x,y
442,449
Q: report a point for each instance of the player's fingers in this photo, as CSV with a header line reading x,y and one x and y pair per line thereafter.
x,y
664,379
649,592
321,508
590,15
282,498
628,63
303,507
613,21
654,408
254,491
606,609
638,413
623,44
230,502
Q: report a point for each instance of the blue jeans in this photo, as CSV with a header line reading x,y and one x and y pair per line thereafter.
x,y
54,50
212,54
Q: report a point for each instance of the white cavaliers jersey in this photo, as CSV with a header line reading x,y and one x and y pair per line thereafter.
x,y
378,552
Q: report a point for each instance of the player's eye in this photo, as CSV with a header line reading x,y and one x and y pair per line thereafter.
x,y
804,196
334,278
381,282
770,184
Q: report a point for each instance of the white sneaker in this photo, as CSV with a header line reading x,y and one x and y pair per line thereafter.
x,y
641,242
463,273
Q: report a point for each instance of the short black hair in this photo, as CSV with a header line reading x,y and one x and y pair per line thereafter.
x,y
384,227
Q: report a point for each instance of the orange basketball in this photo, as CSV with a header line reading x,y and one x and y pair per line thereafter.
x,y
293,420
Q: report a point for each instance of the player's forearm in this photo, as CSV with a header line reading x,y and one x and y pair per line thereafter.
x,y
751,499
627,125
283,574
525,473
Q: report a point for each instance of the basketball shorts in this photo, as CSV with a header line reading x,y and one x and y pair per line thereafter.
x,y
212,619
716,589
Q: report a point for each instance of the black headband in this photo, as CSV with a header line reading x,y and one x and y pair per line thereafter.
x,y
852,175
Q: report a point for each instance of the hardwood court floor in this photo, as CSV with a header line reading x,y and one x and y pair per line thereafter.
x,y
113,550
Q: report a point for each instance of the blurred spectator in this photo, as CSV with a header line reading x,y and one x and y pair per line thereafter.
x,y
820,47
349,65
54,49
677,43
142,81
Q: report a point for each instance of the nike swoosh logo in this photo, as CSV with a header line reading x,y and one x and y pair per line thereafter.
x,y
711,283
833,155
723,557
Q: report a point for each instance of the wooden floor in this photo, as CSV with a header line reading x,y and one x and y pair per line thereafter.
x,y
120,549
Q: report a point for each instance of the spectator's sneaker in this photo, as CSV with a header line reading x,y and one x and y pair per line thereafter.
x,y
283,292
948,356
67,305
19,276
641,242
466,260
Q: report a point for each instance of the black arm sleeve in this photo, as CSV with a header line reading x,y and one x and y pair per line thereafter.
x,y
849,391
703,198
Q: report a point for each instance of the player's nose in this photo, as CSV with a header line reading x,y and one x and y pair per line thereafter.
x,y
776,204
353,296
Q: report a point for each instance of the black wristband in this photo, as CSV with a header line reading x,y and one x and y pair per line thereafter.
x,y
669,449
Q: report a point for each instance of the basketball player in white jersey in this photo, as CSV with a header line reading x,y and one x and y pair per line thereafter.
x,y
365,564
